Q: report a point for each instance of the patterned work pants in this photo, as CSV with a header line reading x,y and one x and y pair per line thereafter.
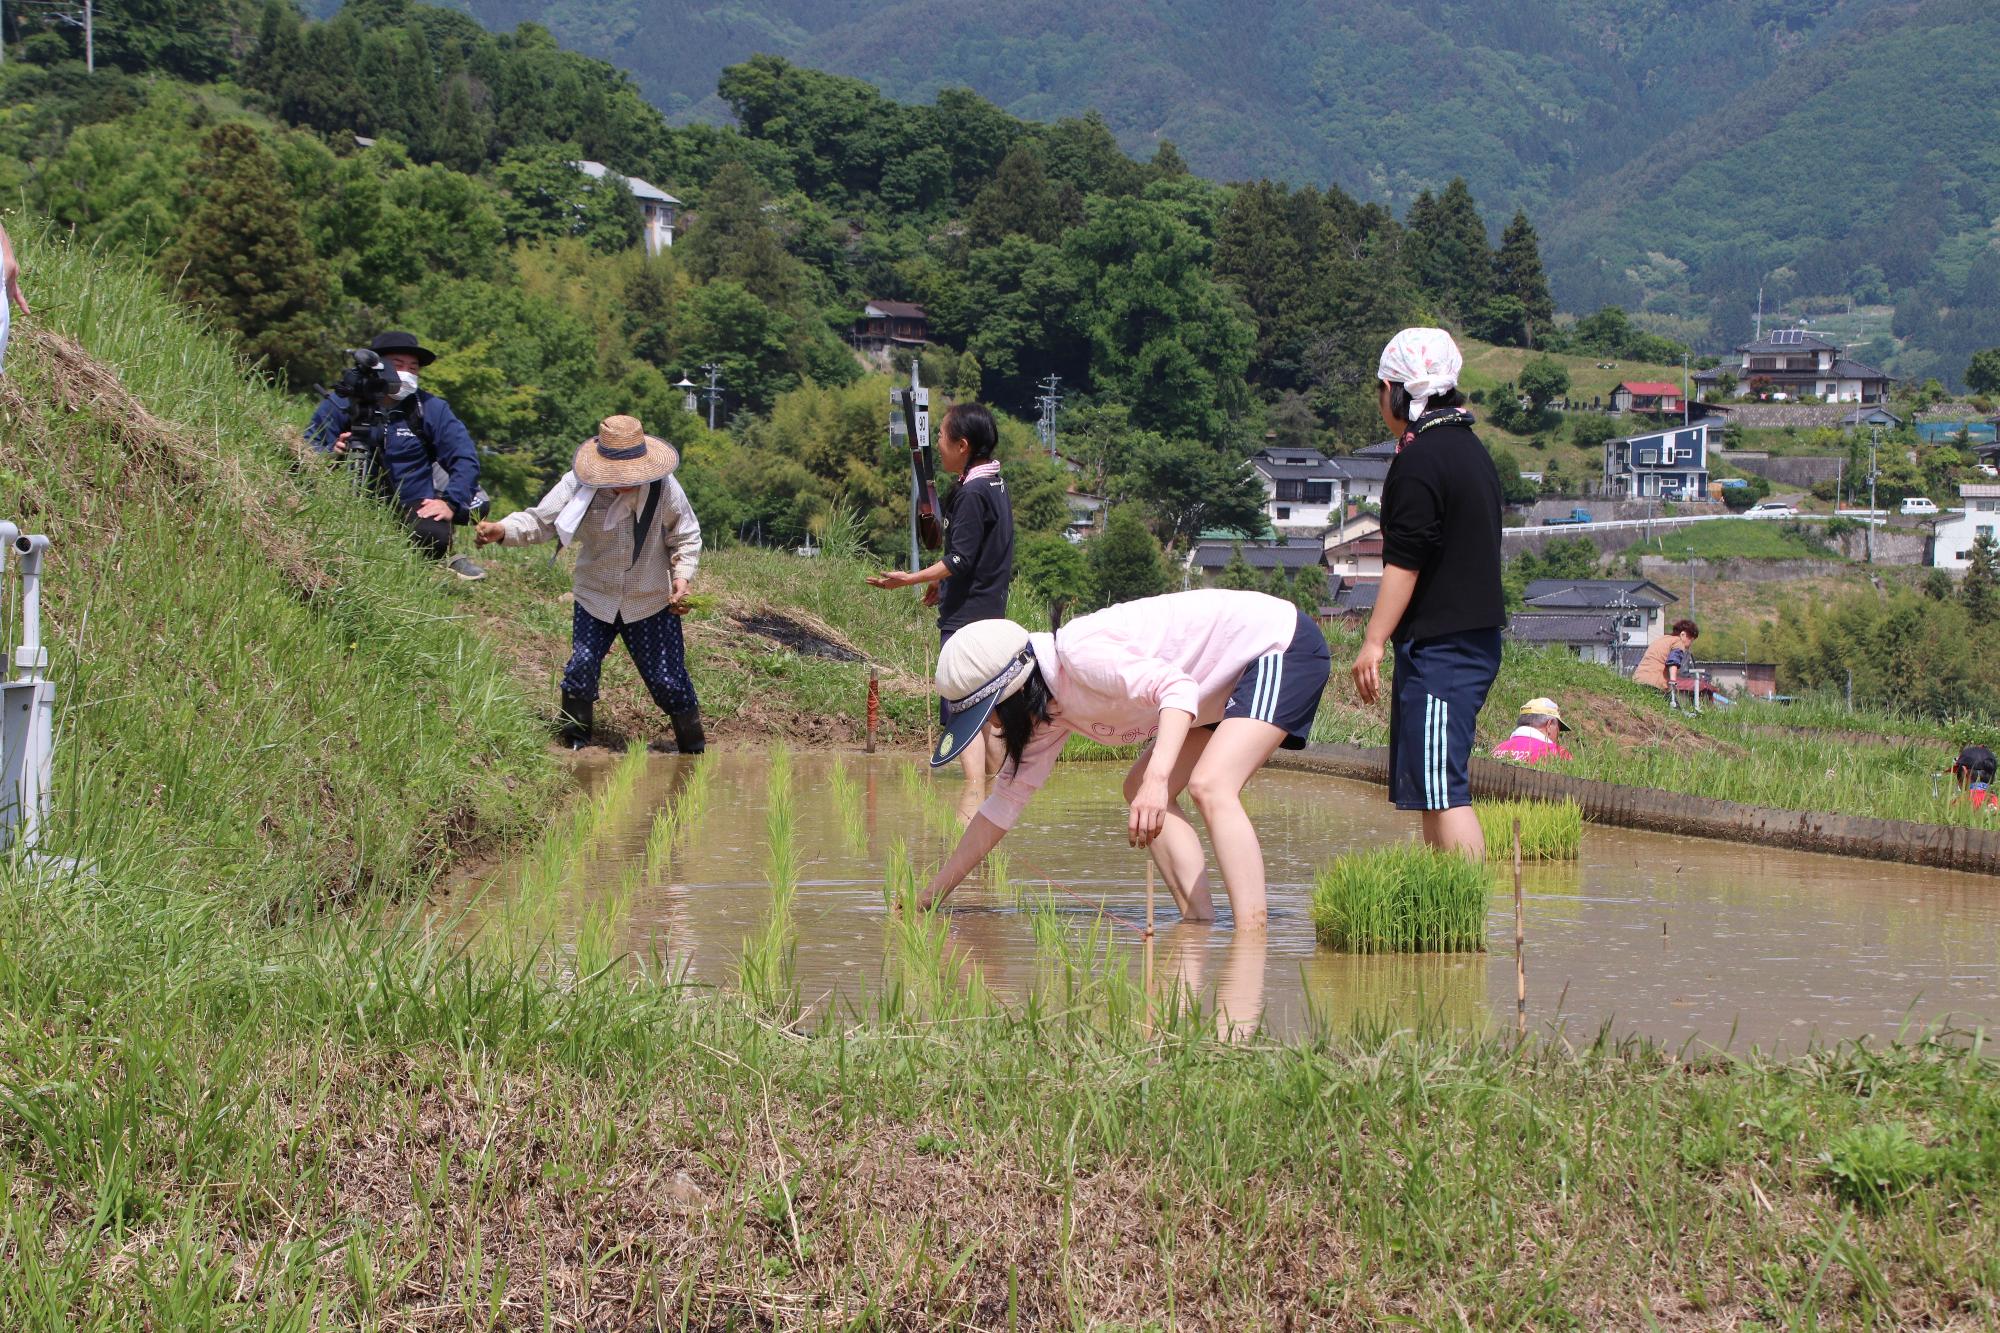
x,y
655,645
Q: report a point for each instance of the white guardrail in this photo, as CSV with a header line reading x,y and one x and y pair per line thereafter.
x,y
1684,520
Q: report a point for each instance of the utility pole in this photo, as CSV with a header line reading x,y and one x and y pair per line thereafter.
x,y
1684,390
1874,443
1049,401
714,390
89,49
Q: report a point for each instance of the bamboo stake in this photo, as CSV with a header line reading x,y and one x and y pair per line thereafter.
x,y
1147,986
1149,895
1520,968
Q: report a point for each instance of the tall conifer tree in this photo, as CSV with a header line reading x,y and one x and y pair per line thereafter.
x,y
1517,272
243,257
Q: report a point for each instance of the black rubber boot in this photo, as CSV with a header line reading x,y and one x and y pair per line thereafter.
x,y
688,737
576,720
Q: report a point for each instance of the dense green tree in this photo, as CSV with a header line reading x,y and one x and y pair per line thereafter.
x,y
1518,276
1982,373
723,323
1052,569
1165,337
1453,263
1125,562
1018,312
1190,488
732,238
1018,201
243,258
1543,380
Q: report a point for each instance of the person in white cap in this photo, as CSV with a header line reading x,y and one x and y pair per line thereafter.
x,y
638,545
1213,681
11,299
1440,600
1537,734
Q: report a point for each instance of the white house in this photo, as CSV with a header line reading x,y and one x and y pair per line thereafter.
x,y
1979,517
1302,488
1364,473
656,206
1798,364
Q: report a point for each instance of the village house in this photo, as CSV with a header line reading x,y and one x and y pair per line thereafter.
x,y
1208,558
1646,396
1979,516
1797,364
1356,558
1635,608
1668,464
1364,473
1302,488
657,208
887,324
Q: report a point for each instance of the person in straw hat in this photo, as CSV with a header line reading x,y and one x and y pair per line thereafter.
x,y
1538,730
637,547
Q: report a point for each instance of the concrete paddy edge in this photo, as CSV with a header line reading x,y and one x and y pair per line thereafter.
x,y
1944,846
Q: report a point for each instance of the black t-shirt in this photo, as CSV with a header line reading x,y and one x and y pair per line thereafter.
x,y
979,552
1441,517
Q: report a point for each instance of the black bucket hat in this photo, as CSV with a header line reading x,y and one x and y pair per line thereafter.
x,y
398,341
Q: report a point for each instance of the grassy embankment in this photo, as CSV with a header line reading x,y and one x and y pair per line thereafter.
x,y
225,1105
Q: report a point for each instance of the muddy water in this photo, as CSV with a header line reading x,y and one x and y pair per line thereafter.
x,y
1668,938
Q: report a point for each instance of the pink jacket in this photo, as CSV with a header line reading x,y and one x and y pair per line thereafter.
x,y
1110,673
1529,747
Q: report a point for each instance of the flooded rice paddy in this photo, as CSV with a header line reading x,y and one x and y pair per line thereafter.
x,y
1667,938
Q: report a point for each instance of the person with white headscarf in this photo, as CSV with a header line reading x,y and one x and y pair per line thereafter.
x,y
10,298
1440,600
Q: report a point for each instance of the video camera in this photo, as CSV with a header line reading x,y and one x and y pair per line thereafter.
x,y
364,384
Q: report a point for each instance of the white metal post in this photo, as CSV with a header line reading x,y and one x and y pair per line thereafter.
x,y
31,663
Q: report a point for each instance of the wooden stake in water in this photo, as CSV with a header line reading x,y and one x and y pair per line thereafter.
x,y
1520,968
1147,985
1149,895
874,708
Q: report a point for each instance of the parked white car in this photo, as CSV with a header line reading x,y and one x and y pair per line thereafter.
x,y
1771,509
1918,504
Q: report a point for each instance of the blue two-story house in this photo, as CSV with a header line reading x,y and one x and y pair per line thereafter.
x,y
1670,464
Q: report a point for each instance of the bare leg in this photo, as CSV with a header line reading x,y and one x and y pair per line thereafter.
x,y
1235,751
1177,851
1455,830
973,760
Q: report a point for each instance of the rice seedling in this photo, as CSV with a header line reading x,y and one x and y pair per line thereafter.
x,y
1550,830
767,971
847,803
604,923
1402,899
939,813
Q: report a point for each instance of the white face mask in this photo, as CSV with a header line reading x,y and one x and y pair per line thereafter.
x,y
406,385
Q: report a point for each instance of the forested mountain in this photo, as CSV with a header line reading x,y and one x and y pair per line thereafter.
x,y
1677,151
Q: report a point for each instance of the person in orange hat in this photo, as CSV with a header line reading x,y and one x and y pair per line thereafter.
x,y
637,545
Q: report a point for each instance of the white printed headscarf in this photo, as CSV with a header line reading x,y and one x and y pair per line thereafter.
x,y
1425,362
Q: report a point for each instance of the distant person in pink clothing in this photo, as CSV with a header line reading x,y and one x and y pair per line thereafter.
x,y
1537,733
1213,681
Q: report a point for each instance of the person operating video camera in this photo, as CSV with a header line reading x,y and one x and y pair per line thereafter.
x,y
408,444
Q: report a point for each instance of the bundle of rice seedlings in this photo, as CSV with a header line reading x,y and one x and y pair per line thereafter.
x,y
1550,830
1403,899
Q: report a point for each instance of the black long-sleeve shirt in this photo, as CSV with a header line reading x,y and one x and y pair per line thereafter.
x,y
1441,518
978,550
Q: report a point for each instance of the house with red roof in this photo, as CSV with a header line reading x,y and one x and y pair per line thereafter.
x,y
1646,396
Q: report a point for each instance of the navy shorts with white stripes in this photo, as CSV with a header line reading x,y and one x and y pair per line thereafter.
x,y
1439,688
1284,688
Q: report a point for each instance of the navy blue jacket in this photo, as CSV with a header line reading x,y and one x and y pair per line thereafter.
x,y
405,454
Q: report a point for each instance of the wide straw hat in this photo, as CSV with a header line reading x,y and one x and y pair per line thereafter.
x,y
622,454
985,662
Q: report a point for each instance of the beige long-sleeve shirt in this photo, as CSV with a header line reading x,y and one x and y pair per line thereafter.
x,y
608,583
